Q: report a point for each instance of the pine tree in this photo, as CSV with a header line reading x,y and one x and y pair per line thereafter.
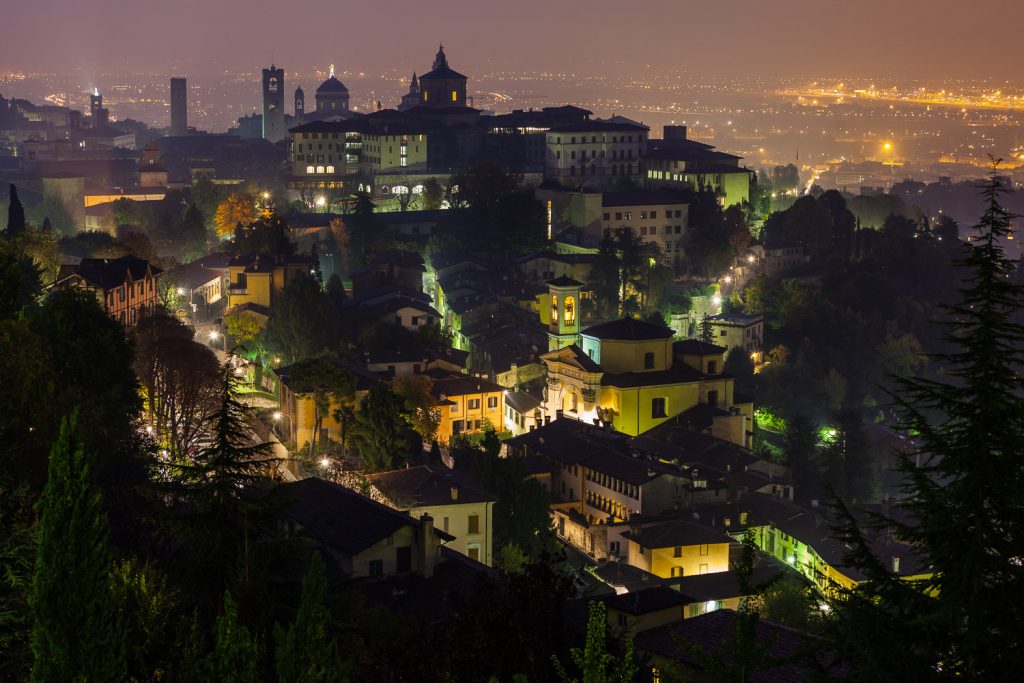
x,y
963,489
235,652
15,214
76,635
707,331
221,484
306,653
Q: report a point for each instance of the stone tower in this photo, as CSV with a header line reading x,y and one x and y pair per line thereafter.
x,y
300,103
273,104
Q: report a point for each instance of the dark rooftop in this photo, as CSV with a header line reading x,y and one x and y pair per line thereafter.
x,y
648,600
430,485
628,329
676,532
339,517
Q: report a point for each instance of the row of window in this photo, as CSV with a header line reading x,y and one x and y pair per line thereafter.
x,y
604,138
613,484
319,170
678,550
617,155
644,215
617,169
474,404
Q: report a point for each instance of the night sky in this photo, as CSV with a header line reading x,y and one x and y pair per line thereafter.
x,y
920,38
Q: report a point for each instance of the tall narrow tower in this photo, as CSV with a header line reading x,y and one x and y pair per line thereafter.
x,y
563,319
300,103
179,107
273,104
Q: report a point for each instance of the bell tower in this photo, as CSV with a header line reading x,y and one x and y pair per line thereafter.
x,y
273,104
300,103
563,313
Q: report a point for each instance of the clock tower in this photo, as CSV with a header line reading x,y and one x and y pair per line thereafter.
x,y
273,104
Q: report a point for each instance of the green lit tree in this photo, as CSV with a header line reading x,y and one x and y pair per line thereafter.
x,y
848,465
76,634
800,452
235,655
707,331
594,662
306,652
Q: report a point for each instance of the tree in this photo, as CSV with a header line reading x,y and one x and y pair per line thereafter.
x,y
244,329
180,378
433,195
17,557
800,453
707,330
962,490
303,322
306,652
363,223
266,235
193,233
76,634
594,662
739,365
848,465
381,434
421,403
605,277
20,281
15,214
207,197
235,653
221,485
237,209
149,608
329,383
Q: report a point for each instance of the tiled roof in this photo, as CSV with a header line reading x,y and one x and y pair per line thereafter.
x,y
676,532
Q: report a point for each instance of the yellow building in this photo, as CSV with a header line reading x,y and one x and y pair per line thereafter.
x,y
678,548
296,421
393,147
458,504
257,279
466,404
630,374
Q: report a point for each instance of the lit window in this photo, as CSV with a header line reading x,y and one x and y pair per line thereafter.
x,y
455,96
319,169
330,169
309,170
570,310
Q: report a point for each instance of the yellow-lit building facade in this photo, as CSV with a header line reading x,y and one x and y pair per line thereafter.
x,y
466,405
631,374
392,149
257,280
678,548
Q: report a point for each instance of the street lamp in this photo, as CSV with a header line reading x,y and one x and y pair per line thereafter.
x,y
321,202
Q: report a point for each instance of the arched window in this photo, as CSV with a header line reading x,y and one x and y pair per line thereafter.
x,y
330,169
569,310
309,170
554,308
319,169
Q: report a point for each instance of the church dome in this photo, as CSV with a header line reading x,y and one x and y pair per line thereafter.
x,y
331,85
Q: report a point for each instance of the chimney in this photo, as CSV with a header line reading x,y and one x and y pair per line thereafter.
x,y
429,546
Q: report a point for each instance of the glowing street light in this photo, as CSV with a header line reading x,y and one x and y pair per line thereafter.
x,y
214,335
321,201
727,279
277,416
750,259
180,290
325,462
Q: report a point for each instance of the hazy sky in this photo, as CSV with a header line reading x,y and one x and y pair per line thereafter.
x,y
926,38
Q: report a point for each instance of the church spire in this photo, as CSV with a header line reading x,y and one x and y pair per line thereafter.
x,y
332,71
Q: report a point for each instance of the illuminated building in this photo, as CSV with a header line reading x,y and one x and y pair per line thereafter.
x,y
126,287
677,162
595,153
678,547
458,504
733,330
465,404
629,374
442,86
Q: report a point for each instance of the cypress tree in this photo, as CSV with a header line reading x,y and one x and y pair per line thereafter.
x,y
76,635
15,214
800,451
306,653
964,492
707,331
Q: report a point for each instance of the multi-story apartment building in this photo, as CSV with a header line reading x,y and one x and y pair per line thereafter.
x,y
595,153
658,217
